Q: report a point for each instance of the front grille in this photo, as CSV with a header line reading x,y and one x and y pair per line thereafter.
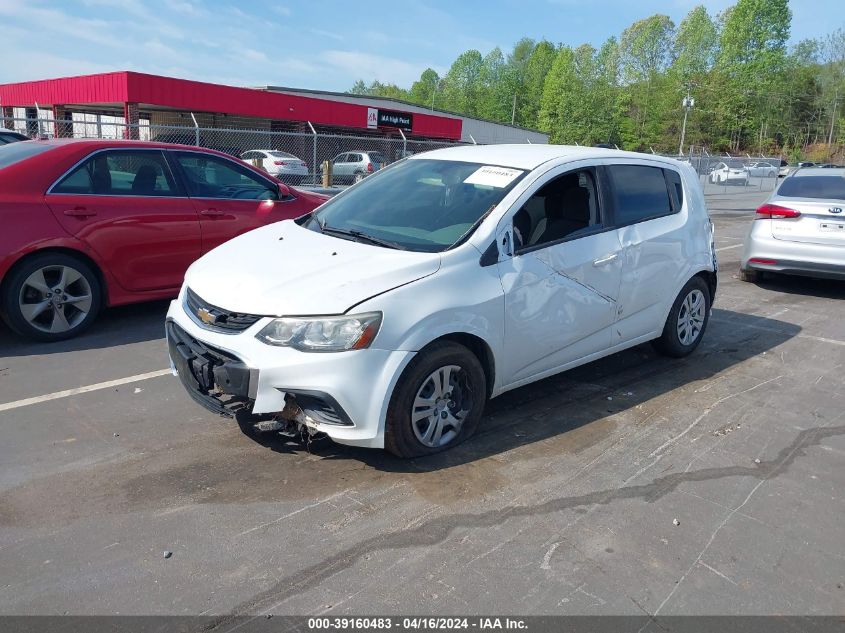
x,y
217,318
218,381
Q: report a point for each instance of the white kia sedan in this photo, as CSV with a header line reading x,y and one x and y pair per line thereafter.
x,y
392,313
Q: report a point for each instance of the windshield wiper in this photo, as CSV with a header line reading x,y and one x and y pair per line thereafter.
x,y
358,235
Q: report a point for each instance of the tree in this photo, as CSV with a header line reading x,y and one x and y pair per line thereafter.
x,y
537,68
423,90
695,45
752,57
646,47
560,96
461,86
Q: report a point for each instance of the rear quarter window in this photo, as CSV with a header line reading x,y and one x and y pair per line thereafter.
x,y
823,187
16,152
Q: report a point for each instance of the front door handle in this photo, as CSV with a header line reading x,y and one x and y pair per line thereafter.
x,y
212,213
601,261
80,212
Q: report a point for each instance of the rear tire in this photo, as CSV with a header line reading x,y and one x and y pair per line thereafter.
x,y
33,308
749,275
687,320
437,402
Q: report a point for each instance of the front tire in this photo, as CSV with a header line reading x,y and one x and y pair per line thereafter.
x,y
51,297
687,320
437,402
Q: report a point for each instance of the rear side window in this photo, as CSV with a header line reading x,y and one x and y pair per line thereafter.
x,y
120,173
15,152
824,187
639,193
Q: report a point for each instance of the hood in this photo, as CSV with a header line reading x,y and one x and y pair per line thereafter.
x,y
286,270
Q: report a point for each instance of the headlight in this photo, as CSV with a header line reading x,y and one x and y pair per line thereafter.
x,y
322,334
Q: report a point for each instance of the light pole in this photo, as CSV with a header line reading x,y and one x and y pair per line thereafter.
x,y
687,103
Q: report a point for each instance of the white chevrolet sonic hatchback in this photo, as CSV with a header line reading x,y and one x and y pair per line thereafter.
x,y
389,316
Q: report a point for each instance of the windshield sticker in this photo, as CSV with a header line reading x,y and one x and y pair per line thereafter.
x,y
488,176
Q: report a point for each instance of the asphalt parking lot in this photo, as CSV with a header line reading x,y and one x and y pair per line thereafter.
x,y
566,502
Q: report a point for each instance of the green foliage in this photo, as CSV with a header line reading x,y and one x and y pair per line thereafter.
x,y
751,93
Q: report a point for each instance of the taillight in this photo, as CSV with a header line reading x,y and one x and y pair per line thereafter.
x,y
369,167
774,211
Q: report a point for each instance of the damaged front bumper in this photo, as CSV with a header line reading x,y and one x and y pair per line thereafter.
x,y
344,395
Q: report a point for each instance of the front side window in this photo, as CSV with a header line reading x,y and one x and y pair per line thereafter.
x,y
418,205
210,176
562,208
120,173
639,193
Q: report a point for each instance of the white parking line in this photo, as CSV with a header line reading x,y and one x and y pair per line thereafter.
x,y
724,248
73,392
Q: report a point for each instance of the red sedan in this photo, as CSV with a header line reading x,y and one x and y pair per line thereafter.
x,y
92,223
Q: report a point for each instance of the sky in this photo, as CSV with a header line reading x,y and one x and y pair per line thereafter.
x,y
323,44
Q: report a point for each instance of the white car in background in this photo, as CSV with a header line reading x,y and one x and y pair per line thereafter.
x,y
730,172
286,167
391,314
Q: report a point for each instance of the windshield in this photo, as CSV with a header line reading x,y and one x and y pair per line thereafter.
x,y
419,205
823,187
377,158
281,154
735,164
16,152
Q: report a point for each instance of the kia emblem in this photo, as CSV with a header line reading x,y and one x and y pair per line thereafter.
x,y
835,209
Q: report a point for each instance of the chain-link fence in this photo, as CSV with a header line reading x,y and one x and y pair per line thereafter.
x,y
726,174
294,157
297,157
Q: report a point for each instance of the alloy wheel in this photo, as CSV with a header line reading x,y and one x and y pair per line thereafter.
x,y
691,317
441,405
55,299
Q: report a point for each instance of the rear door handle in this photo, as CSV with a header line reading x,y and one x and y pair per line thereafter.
x,y
212,213
80,212
601,261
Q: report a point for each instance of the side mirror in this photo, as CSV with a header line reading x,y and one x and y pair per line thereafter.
x,y
284,191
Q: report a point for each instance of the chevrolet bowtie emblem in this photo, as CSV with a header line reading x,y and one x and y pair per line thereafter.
x,y
205,316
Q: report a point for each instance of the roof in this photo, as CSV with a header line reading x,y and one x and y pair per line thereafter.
x,y
400,102
158,92
529,156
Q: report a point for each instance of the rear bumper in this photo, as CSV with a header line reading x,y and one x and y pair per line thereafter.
x,y
791,258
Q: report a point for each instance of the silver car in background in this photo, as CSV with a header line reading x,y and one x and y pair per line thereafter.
x,y
762,169
800,230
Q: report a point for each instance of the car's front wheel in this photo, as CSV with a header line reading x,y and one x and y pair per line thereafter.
x,y
437,402
687,320
51,297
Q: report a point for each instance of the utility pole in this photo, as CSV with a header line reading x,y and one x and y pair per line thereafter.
x,y
513,111
687,104
832,121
